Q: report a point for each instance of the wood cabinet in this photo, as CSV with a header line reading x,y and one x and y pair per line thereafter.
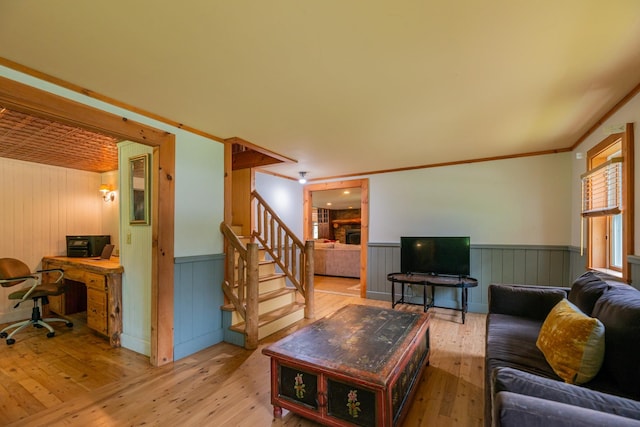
x,y
103,281
324,224
56,304
97,303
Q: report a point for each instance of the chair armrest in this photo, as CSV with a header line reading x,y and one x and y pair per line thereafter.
x,y
53,270
534,302
517,410
9,282
16,281
519,382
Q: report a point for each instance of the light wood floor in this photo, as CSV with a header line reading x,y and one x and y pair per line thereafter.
x,y
76,379
337,285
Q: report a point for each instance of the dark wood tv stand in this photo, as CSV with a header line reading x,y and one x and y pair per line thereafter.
x,y
431,280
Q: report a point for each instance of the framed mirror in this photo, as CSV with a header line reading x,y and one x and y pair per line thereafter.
x,y
139,189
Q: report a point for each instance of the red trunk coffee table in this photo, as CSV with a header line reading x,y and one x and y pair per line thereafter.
x,y
358,366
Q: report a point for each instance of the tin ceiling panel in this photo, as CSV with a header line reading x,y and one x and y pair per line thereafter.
x,y
34,139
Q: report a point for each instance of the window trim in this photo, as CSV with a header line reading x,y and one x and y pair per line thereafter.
x,y
626,143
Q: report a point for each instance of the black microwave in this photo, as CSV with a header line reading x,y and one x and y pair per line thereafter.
x,y
86,246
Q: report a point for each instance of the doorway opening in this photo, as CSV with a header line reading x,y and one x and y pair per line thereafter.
x,y
30,100
342,230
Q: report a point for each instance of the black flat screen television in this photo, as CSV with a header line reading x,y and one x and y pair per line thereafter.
x,y
435,255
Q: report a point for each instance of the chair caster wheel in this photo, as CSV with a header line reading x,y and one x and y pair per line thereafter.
x,y
69,325
11,341
50,334
3,334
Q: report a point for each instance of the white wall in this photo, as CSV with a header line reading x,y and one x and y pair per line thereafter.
x,y
199,196
41,205
629,113
522,201
135,257
285,196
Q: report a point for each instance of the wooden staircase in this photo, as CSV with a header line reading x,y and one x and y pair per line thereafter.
x,y
278,306
268,285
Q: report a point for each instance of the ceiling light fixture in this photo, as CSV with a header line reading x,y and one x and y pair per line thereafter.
x,y
302,179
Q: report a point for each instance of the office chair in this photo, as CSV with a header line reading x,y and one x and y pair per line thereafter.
x,y
14,272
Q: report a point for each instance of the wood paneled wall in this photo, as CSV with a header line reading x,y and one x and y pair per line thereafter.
x,y
197,299
241,200
531,265
40,206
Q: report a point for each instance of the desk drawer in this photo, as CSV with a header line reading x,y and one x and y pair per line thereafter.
x,y
97,310
95,281
56,304
74,274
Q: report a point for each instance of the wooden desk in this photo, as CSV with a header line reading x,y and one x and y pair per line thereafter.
x,y
358,366
103,280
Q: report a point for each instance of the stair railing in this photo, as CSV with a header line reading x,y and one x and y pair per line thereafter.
x,y
294,258
240,285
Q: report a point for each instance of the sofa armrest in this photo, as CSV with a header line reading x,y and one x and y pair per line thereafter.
x,y
517,410
519,382
533,302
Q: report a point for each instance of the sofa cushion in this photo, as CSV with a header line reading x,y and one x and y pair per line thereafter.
x,y
533,302
619,310
322,244
515,381
572,343
517,410
511,341
586,290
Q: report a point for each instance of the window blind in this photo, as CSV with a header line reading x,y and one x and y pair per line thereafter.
x,y
602,189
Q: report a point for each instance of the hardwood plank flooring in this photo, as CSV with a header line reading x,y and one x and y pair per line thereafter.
x,y
337,285
76,379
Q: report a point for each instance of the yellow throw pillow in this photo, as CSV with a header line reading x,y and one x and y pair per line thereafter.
x,y
572,343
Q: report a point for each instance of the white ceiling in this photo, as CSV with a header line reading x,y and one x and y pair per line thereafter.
x,y
344,198
346,87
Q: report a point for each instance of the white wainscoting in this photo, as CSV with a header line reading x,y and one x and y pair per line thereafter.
x,y
40,206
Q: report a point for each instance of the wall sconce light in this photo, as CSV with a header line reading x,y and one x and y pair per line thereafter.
x,y
302,179
107,193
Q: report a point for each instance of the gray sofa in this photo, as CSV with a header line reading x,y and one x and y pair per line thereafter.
x,y
521,388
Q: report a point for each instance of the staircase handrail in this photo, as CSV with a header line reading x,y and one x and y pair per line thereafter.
x,y
244,297
234,244
285,251
255,195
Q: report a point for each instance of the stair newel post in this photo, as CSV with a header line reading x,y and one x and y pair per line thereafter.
x,y
252,310
230,260
309,307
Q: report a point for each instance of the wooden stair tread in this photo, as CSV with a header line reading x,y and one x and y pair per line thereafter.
x,y
268,277
265,278
263,297
274,294
271,316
